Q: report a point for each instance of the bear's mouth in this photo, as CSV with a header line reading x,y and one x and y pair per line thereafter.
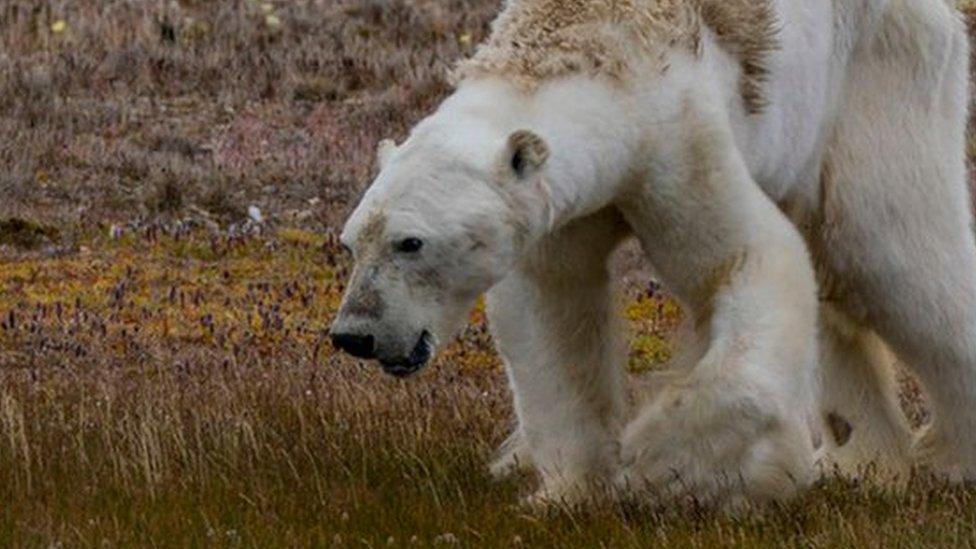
x,y
411,365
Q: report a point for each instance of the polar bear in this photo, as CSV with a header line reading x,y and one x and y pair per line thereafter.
x,y
794,171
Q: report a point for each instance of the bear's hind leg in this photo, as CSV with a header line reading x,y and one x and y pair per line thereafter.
x,y
865,431
896,231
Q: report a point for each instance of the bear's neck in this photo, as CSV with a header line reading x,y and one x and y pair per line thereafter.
x,y
592,136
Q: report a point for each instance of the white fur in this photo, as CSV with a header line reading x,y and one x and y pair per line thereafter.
x,y
861,144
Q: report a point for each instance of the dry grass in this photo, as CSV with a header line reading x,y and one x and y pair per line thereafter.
x,y
165,378
174,386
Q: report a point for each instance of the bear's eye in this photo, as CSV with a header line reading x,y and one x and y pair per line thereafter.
x,y
409,245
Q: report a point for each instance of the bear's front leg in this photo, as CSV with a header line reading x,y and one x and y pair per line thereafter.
x,y
717,439
735,425
512,457
555,324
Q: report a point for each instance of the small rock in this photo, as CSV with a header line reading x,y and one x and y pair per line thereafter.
x,y
255,214
447,538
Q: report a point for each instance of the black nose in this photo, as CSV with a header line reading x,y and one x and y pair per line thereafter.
x,y
359,346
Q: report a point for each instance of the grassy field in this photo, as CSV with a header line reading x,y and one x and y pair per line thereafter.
x,y
165,375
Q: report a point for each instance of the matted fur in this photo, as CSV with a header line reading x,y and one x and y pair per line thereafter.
x,y
534,40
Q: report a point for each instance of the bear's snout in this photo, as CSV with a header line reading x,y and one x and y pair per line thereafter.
x,y
396,362
421,354
357,345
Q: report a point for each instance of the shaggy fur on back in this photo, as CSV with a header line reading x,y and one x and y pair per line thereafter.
x,y
535,40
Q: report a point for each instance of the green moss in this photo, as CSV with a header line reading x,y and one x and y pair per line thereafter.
x,y
648,352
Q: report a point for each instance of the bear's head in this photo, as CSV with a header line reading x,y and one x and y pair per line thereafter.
x,y
442,223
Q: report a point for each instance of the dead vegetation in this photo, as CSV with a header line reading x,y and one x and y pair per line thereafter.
x,y
106,105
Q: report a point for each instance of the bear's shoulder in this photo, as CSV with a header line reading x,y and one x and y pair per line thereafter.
x,y
536,40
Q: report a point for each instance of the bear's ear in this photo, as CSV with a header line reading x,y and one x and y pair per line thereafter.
x,y
525,154
385,151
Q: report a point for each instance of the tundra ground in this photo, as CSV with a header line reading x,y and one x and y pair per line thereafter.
x,y
165,375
